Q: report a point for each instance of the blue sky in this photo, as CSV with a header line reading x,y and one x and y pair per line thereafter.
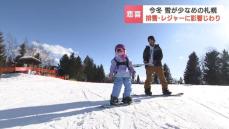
x,y
93,28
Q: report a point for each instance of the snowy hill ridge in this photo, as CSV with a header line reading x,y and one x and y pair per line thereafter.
x,y
37,102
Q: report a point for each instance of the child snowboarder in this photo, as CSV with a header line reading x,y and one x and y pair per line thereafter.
x,y
122,71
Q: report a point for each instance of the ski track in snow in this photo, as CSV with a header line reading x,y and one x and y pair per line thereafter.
x,y
29,101
211,109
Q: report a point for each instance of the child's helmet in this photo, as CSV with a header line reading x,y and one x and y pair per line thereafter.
x,y
118,46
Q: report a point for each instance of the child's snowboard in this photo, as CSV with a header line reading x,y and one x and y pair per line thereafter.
x,y
121,104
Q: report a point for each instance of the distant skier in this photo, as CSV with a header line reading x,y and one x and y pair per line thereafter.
x,y
152,57
122,71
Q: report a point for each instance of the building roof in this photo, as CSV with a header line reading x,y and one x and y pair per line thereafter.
x,y
29,58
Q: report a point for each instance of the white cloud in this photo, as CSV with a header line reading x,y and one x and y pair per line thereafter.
x,y
55,51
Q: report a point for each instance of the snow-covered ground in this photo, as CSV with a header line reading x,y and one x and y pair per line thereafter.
x,y
36,102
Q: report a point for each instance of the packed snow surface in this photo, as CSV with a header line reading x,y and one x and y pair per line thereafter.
x,y
38,102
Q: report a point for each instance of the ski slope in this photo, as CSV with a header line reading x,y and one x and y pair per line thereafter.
x,y
37,102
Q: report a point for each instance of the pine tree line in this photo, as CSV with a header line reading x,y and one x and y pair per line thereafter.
x,y
214,69
82,71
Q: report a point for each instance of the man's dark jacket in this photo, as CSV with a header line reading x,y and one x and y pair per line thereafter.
x,y
157,55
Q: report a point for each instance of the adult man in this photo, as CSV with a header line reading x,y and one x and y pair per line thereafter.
x,y
152,57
